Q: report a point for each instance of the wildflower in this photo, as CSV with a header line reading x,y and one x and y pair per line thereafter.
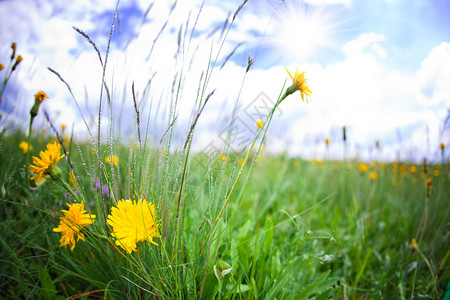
x,y
373,176
327,141
115,160
13,47
71,224
442,146
436,173
63,127
259,123
299,83
412,169
133,222
2,67
45,165
38,98
429,184
72,180
363,167
413,244
18,60
25,147
224,158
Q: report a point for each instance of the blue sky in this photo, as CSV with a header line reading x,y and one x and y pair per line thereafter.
x,y
378,67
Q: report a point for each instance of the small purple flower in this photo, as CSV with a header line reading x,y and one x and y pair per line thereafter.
x,y
106,190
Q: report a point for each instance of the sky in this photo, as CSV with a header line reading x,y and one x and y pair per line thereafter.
x,y
381,68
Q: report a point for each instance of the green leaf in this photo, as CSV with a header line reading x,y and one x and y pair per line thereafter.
x,y
48,290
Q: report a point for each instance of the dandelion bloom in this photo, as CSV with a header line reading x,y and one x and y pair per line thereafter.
x,y
224,158
327,141
299,83
363,167
44,165
40,96
71,224
259,123
133,222
413,244
412,169
25,147
373,176
115,160
442,146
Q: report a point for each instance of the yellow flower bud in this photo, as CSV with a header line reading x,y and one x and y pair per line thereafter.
x,y
2,67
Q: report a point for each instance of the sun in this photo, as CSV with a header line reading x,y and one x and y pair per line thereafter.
x,y
301,31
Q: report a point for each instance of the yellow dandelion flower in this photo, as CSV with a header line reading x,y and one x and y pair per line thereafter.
x,y
63,127
224,158
259,123
363,167
48,159
25,147
442,146
299,83
436,172
72,180
115,160
429,184
133,222
413,244
71,224
327,141
40,96
373,176
412,169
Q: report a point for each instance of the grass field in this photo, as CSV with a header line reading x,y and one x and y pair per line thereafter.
x,y
293,229
102,216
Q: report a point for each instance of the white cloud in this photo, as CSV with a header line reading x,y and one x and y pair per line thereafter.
x,y
328,2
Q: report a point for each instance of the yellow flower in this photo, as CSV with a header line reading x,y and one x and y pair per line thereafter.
x,y
373,176
72,180
25,147
44,165
115,160
40,96
18,60
224,158
327,141
413,244
413,169
2,67
133,222
72,223
63,126
259,123
363,167
299,83
442,146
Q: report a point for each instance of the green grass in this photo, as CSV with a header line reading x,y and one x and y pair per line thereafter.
x,y
299,229
272,227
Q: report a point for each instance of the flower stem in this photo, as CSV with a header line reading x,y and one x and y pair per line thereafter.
x,y
27,175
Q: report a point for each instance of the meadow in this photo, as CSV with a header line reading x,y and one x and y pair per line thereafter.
x,y
114,218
